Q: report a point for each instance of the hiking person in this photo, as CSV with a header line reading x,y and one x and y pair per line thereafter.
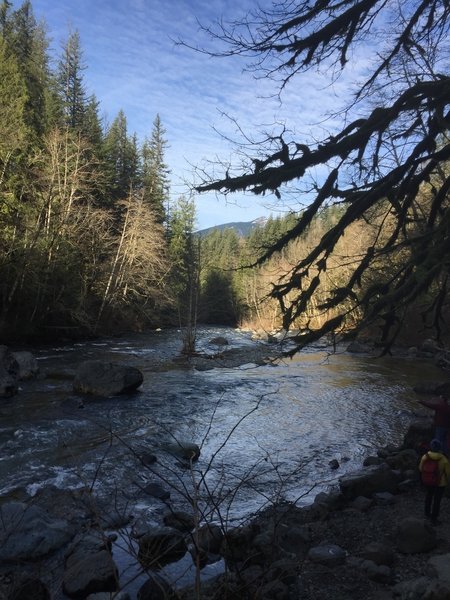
x,y
441,420
435,472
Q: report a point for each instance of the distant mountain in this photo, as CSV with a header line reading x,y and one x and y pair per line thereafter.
x,y
242,228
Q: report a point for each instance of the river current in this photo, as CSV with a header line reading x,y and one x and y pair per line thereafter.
x,y
265,432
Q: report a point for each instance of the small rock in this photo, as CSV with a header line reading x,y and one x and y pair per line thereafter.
x,y
384,498
439,566
361,503
219,341
328,554
380,573
147,459
184,450
380,554
157,491
180,520
28,365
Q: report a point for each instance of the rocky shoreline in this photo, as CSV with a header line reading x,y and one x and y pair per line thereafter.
x,y
367,539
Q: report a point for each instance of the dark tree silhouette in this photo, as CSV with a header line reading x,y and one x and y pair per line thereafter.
x,y
393,161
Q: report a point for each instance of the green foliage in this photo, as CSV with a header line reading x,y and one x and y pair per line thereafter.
x,y
182,249
221,255
70,83
155,172
27,42
119,155
13,101
77,240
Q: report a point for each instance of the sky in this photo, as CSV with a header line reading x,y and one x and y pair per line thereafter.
x,y
133,63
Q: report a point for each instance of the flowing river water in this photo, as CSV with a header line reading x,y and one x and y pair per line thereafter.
x,y
266,432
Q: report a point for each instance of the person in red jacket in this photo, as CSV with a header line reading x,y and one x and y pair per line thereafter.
x,y
435,489
441,420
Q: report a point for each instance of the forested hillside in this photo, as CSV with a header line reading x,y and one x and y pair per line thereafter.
x,y
84,221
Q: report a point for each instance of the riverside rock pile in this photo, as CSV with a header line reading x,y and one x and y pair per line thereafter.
x,y
367,540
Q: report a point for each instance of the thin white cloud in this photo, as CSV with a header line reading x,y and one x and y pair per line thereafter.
x,y
134,65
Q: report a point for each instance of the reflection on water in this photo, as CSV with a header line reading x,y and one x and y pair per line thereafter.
x,y
267,431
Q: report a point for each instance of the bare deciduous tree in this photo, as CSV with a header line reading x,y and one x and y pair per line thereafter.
x,y
138,265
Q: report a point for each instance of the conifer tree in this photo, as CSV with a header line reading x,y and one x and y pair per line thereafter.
x,y
13,101
27,41
184,255
70,83
119,152
155,172
92,126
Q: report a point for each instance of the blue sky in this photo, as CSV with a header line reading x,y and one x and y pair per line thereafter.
x,y
133,64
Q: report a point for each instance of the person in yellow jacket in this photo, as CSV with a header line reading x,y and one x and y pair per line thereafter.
x,y
435,472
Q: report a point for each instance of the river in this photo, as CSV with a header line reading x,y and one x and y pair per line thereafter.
x,y
266,433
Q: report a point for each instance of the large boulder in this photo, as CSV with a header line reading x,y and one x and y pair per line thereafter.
x,y
161,546
414,536
156,588
404,460
28,365
419,433
28,532
368,481
106,378
90,573
89,566
9,373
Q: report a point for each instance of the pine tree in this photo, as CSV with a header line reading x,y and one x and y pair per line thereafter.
x,y
92,127
155,172
28,43
5,6
184,255
13,101
119,153
70,83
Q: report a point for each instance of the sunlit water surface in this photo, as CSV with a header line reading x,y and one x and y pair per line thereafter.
x,y
265,433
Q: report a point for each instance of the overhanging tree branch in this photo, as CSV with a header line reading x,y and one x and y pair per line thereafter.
x,y
396,157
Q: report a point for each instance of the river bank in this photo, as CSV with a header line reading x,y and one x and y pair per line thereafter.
x,y
369,539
